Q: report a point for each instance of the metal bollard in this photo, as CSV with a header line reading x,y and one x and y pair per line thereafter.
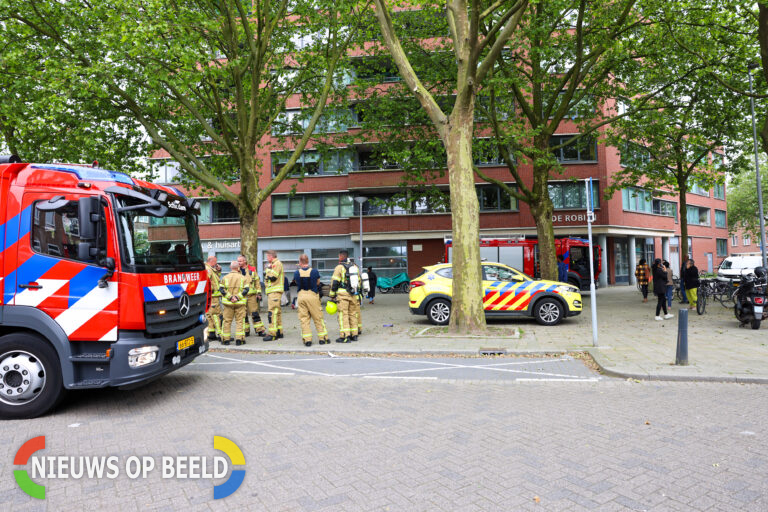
x,y
681,358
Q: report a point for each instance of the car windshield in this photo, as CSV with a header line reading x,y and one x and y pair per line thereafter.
x,y
145,254
726,264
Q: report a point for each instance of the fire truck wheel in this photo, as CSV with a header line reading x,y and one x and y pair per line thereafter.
x,y
439,311
30,376
548,312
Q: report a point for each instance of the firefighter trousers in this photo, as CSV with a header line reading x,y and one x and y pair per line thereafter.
x,y
344,303
213,313
236,312
252,316
355,318
310,310
273,303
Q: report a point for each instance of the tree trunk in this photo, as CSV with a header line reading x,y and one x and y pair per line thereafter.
x,y
542,210
249,236
683,187
467,313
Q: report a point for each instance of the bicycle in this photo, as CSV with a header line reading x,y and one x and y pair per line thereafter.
x,y
707,288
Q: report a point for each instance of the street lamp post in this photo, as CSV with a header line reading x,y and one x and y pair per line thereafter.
x,y
757,168
360,200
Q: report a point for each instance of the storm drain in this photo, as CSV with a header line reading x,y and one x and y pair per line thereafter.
x,y
493,351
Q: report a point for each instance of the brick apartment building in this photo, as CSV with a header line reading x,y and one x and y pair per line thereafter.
x,y
322,216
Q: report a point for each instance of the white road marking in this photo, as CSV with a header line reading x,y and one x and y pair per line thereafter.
x,y
574,379
262,373
397,377
259,363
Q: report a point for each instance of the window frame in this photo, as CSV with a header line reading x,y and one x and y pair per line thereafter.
x,y
102,232
577,144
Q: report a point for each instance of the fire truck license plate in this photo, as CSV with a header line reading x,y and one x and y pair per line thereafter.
x,y
185,343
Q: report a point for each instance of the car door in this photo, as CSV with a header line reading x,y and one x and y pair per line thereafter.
x,y
505,289
52,277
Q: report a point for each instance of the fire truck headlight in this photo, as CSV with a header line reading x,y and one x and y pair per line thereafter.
x,y
142,356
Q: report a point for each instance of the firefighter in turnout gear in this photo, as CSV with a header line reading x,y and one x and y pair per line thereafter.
x,y
308,301
355,316
274,277
214,280
342,294
253,300
234,291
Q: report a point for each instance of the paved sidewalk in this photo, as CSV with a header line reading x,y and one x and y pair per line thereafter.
x,y
631,343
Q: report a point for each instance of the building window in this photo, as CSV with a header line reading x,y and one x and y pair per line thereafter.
x,y
571,195
372,160
582,150
734,240
746,240
722,248
634,154
698,216
388,259
695,188
314,163
485,153
224,211
493,198
719,191
312,206
637,200
325,261
665,208
720,221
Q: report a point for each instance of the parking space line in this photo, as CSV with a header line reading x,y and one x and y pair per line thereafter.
x,y
262,373
259,363
574,379
397,377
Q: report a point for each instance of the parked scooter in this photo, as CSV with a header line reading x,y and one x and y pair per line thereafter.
x,y
750,299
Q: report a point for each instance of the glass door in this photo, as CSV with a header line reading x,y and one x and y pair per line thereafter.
x,y
621,258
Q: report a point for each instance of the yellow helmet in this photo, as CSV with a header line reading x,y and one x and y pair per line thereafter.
x,y
331,308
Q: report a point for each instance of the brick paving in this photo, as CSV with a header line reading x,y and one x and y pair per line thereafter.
x,y
631,342
313,443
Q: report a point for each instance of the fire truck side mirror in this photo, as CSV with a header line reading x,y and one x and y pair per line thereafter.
x,y
88,216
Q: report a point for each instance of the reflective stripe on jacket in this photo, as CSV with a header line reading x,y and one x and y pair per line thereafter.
x,y
274,277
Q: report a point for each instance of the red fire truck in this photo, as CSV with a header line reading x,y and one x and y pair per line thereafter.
x,y
89,301
523,254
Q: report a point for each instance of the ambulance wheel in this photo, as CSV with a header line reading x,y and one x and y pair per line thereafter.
x,y
30,376
439,311
548,312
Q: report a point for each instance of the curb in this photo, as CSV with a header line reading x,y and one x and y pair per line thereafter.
x,y
673,378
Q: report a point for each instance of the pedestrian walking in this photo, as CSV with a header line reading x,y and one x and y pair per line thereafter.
x,y
659,274
214,311
253,300
372,280
233,299
691,279
562,269
670,283
341,293
307,281
684,299
275,279
643,276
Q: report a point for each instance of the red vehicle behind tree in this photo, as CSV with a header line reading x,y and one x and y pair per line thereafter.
x,y
523,254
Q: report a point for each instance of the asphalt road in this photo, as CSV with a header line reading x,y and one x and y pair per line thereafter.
x,y
330,365
313,442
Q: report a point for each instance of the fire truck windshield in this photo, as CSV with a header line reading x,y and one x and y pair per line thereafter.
x,y
178,250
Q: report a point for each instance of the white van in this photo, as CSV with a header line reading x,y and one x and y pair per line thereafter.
x,y
733,267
